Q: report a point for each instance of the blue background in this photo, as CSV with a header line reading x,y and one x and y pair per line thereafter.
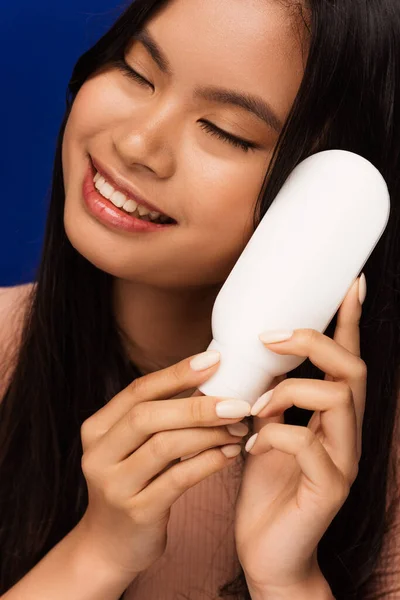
x,y
39,45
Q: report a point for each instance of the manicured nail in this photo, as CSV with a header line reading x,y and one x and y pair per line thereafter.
x,y
250,442
205,360
231,450
362,288
270,337
261,402
238,429
232,409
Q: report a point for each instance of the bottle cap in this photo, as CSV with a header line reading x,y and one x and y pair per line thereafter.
x,y
236,377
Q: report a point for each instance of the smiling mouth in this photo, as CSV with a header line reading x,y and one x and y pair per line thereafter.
x,y
125,202
128,205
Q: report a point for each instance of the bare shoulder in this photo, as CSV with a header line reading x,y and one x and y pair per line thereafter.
x,y
14,292
13,303
13,300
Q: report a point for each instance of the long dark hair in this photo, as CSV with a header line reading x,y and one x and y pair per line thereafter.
x,y
71,360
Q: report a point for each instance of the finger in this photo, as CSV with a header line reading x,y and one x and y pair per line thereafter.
x,y
164,490
313,459
347,334
146,419
162,384
236,430
323,352
332,358
347,331
166,448
260,421
334,401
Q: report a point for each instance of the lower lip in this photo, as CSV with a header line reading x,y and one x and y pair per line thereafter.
x,y
108,214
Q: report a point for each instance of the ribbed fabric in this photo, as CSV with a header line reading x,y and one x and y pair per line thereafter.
x,y
200,554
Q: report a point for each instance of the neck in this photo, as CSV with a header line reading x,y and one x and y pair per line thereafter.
x,y
162,326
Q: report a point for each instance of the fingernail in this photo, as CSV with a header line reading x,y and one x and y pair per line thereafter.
x,y
261,402
250,442
231,450
238,429
205,360
362,288
270,337
231,409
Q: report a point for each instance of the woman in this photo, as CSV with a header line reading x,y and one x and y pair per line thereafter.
x,y
100,401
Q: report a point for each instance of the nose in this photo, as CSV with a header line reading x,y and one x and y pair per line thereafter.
x,y
148,138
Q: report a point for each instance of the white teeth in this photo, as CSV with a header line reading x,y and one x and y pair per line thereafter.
x,y
120,200
99,183
106,190
130,206
143,211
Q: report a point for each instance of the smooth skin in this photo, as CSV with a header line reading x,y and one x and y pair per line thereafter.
x,y
295,478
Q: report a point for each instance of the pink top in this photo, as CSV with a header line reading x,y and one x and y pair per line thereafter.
x,y
200,554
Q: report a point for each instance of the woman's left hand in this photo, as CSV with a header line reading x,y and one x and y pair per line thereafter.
x,y
295,478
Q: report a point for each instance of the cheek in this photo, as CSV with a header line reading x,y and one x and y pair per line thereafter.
x,y
92,114
94,108
221,211
225,193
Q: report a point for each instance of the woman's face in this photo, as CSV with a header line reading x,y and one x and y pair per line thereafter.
x,y
155,138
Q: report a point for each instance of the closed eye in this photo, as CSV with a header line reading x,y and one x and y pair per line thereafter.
x,y
123,66
212,129
227,137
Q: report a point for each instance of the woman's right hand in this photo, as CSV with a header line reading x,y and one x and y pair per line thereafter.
x,y
131,462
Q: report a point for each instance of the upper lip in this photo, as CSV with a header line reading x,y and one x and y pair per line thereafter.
x,y
121,185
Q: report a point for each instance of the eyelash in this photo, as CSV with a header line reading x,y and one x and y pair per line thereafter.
x,y
127,70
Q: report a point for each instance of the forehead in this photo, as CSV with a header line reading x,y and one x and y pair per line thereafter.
x,y
254,45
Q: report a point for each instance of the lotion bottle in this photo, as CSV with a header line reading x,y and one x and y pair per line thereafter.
x,y
297,267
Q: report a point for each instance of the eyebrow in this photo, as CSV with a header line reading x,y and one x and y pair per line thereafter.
x,y
254,104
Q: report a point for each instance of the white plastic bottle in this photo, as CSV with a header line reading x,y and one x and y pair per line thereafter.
x,y
297,267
